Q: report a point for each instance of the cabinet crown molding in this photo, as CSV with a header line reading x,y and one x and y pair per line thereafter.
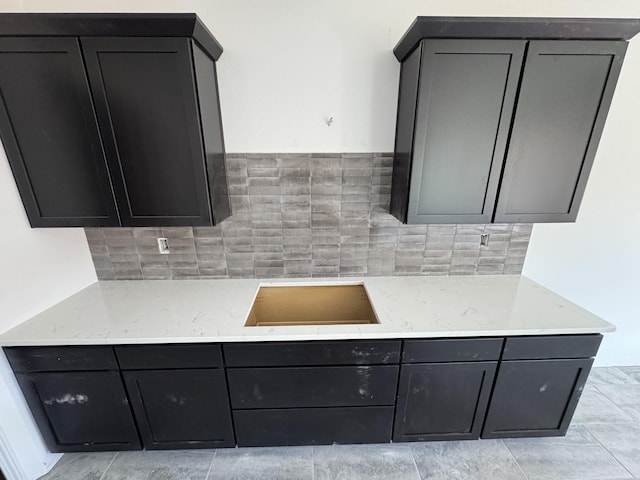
x,y
515,28
110,25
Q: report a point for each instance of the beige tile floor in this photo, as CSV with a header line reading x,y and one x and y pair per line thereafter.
x,y
603,443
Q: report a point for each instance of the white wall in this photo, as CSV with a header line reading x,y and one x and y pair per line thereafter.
x,y
288,65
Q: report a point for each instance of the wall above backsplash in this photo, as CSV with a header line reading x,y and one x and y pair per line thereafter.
x,y
308,215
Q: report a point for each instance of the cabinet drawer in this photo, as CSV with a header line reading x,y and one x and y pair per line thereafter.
x,y
312,353
51,359
558,346
312,386
313,426
452,350
135,357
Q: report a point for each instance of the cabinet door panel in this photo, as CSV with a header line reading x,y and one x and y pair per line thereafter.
x,y
312,386
81,411
464,109
563,103
50,134
145,96
442,401
535,398
181,408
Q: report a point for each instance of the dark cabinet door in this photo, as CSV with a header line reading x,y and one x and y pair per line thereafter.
x,y
181,408
564,98
442,401
145,95
464,106
50,134
80,411
534,398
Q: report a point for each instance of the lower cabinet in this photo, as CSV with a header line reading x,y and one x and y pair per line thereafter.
x,y
538,385
294,401
76,397
81,411
302,393
442,401
181,408
445,399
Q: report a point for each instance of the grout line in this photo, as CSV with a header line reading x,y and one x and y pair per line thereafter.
x,y
215,452
415,464
514,459
313,462
608,451
109,466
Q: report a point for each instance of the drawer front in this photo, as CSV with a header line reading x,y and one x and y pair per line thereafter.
x,y
452,350
556,346
313,426
146,357
312,353
51,359
312,386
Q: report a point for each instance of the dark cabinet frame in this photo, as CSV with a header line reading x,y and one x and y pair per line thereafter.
x,y
156,411
90,138
202,154
496,194
316,392
114,411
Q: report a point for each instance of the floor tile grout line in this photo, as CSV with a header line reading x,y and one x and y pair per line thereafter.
x,y
415,463
109,466
609,452
215,452
515,459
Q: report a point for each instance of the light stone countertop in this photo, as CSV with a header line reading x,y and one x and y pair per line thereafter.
x,y
169,311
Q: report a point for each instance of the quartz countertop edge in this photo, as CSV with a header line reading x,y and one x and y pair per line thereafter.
x,y
200,311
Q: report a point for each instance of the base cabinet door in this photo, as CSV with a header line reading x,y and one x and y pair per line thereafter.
x,y
181,408
442,401
534,398
80,411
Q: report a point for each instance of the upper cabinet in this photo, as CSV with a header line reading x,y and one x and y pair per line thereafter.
x,y
496,123
113,120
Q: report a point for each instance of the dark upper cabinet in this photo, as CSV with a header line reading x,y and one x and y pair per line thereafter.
x,y
129,130
462,108
496,124
564,98
50,134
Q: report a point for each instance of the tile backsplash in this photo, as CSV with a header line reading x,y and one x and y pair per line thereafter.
x,y
308,215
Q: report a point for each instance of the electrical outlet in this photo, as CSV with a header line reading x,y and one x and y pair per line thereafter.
x,y
163,246
484,240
